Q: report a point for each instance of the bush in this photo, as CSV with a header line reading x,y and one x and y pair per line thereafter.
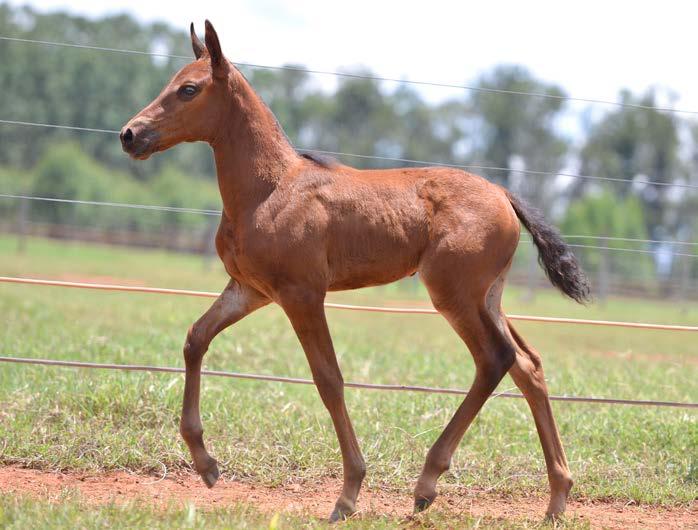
x,y
605,214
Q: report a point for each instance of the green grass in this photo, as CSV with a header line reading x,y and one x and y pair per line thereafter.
x,y
19,513
272,433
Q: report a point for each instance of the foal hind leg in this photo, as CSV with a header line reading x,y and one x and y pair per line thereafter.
x,y
493,356
234,303
527,373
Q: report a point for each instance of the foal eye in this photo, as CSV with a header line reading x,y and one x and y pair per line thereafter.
x,y
187,91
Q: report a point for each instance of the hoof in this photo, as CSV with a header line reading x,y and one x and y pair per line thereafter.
x,y
341,513
557,505
211,475
422,502
554,517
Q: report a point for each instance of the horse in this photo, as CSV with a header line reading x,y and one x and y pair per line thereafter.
x,y
296,226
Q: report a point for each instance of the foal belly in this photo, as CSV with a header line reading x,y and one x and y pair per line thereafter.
x,y
376,245
367,278
359,265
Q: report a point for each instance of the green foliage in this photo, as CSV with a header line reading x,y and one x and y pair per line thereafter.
x,y
66,172
12,180
631,142
40,84
89,88
363,117
637,142
514,126
604,214
171,187
83,88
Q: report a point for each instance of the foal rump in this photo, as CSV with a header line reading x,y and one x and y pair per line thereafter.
x,y
555,256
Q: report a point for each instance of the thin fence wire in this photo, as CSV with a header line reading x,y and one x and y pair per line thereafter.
x,y
332,305
366,386
348,75
345,306
217,213
638,182
634,250
635,182
154,207
55,126
632,239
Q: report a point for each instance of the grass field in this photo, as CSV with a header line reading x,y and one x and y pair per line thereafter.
x,y
268,433
70,512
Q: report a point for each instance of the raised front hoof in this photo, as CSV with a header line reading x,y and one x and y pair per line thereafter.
x,y
342,512
210,475
422,502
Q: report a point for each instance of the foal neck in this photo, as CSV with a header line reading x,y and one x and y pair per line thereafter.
x,y
252,153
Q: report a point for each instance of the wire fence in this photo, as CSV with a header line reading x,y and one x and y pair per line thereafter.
x,y
402,310
370,386
338,153
349,75
478,167
332,305
217,213
367,386
153,207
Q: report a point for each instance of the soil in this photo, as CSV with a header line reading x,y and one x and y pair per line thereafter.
x,y
317,499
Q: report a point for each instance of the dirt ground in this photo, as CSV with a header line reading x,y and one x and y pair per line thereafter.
x,y
316,500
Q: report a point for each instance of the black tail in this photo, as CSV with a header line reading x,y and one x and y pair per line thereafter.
x,y
554,254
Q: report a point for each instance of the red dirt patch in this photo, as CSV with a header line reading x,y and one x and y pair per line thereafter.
x,y
317,499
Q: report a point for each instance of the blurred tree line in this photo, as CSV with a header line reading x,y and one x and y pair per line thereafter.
x,y
88,88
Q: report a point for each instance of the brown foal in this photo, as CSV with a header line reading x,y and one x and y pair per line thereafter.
x,y
296,226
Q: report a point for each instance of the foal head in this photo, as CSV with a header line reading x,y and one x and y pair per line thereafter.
x,y
189,108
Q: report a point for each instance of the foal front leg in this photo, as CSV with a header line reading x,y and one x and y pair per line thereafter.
x,y
307,315
235,302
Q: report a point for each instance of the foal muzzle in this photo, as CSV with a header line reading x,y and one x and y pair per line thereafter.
x,y
138,141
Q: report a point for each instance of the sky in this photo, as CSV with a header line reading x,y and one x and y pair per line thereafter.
x,y
592,48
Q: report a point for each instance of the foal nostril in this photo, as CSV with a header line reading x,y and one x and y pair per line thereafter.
x,y
127,136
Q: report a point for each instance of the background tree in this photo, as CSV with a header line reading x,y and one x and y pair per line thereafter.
x,y
604,214
511,126
81,87
636,143
94,89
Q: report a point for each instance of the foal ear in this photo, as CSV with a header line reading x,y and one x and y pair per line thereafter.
x,y
219,65
196,44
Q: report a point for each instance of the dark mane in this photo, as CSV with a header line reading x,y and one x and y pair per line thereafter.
x,y
321,160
